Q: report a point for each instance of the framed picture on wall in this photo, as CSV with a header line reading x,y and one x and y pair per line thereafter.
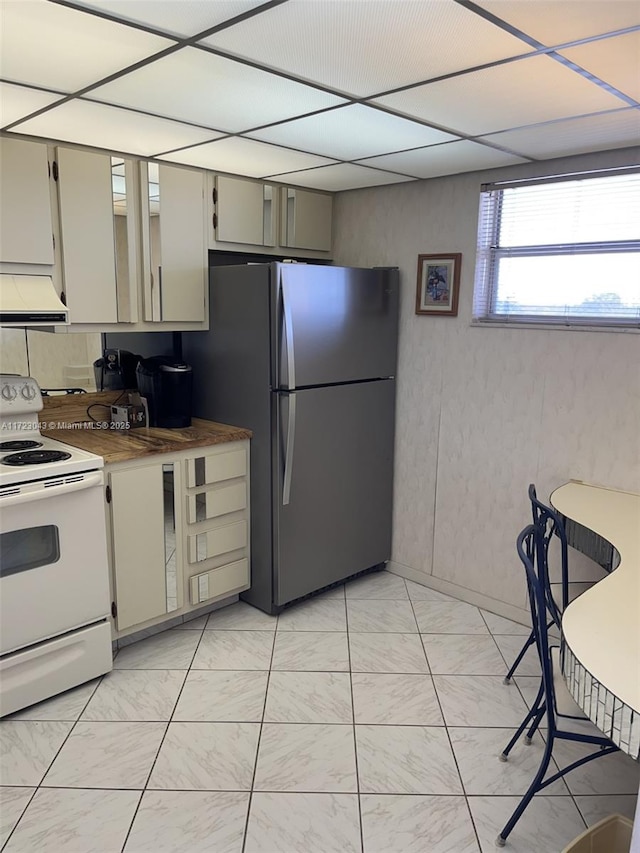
x,y
438,284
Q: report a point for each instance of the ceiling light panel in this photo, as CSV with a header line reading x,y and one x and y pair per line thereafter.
x,y
194,85
87,123
559,21
18,101
343,176
615,60
245,157
177,17
449,159
48,45
363,48
352,132
601,132
527,91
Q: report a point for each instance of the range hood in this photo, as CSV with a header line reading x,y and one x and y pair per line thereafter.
x,y
30,300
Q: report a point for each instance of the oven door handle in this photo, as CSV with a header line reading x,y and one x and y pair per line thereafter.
x,y
36,494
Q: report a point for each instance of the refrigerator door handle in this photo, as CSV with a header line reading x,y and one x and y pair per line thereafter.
x,y
288,459
288,332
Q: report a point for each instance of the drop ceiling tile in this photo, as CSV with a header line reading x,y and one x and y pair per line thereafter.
x,y
352,132
599,132
245,157
368,47
558,21
194,85
615,60
526,91
342,176
87,123
179,17
48,45
18,101
449,159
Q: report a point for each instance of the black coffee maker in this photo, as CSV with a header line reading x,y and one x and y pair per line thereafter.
x,y
116,370
167,385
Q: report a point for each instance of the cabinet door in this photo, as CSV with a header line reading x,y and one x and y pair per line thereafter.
x,y
137,517
239,211
88,239
306,219
25,208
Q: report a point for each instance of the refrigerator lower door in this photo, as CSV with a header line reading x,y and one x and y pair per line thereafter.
x,y
333,470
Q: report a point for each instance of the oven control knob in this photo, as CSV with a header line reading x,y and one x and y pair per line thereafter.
x,y
9,392
28,392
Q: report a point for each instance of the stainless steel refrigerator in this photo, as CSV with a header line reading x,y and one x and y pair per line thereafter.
x,y
305,357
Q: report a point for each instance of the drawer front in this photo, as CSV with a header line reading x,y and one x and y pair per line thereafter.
x,y
216,467
216,502
211,543
220,581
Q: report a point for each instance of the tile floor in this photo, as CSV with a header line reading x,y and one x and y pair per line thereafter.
x,y
366,720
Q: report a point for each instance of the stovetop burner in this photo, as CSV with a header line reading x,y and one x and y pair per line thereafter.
x,y
35,457
19,445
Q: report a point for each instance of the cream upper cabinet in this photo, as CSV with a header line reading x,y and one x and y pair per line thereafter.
x,y
25,207
242,211
175,263
305,219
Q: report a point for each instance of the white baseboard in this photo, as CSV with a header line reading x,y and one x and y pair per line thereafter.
x,y
501,608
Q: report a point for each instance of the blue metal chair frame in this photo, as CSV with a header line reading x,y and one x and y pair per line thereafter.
x,y
552,524
532,547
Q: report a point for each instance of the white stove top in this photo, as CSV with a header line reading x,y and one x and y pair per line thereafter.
x,y
20,403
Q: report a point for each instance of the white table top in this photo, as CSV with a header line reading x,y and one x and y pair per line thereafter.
x,y
602,626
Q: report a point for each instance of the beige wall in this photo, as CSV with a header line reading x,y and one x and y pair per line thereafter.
x,y
482,412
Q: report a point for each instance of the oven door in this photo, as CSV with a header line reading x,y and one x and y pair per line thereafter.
x,y
53,558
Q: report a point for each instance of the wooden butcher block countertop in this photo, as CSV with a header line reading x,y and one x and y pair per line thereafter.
x,y
92,432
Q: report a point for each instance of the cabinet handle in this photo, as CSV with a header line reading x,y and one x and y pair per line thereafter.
x,y
215,220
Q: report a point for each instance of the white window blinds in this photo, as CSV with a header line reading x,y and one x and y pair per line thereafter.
x,y
560,250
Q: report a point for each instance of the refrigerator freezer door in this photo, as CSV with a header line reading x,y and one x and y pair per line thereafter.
x,y
335,325
333,469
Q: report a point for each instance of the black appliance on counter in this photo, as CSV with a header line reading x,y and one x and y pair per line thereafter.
x,y
167,384
116,370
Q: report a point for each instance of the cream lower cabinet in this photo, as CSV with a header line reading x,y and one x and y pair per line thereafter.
x,y
179,525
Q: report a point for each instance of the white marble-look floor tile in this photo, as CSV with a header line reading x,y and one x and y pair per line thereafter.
x,y
528,685
241,617
313,823
334,592
510,646
64,706
306,758
309,697
234,650
595,808
207,756
387,653
316,614
197,624
399,700
216,696
406,760
479,700
548,823
191,821
137,695
483,773
311,651
419,592
416,824
13,801
78,821
380,616
28,748
106,755
462,654
168,650
500,625
611,774
449,617
377,585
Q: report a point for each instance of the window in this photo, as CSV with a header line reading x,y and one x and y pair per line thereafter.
x,y
562,250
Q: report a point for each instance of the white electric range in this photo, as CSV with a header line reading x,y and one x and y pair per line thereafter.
x,y
54,585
